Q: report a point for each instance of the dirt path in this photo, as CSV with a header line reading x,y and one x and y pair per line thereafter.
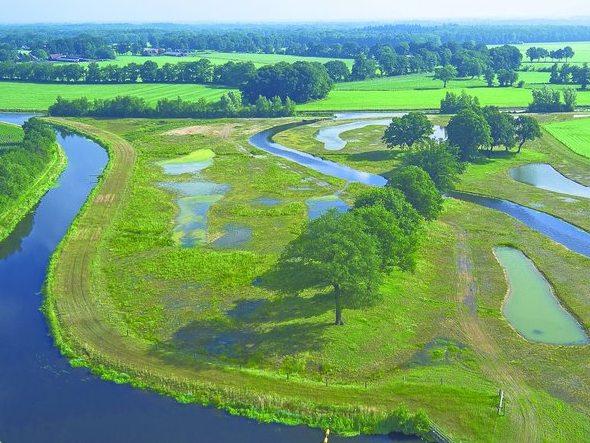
x,y
509,378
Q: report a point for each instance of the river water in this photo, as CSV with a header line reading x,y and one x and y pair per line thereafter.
x,y
42,398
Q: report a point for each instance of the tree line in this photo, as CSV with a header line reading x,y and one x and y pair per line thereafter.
x,y
229,105
327,40
352,252
535,53
301,81
20,165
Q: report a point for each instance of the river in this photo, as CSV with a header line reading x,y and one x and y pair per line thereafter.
x,y
42,398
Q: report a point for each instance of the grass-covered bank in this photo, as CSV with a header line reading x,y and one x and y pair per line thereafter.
x,y
204,324
26,175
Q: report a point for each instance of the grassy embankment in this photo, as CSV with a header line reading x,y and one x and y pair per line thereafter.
x,y
13,210
200,324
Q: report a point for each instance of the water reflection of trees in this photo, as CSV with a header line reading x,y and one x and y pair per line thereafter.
x,y
14,241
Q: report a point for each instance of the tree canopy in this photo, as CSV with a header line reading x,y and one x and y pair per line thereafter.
x,y
408,129
419,189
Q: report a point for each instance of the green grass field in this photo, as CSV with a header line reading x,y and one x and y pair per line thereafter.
x,y
212,325
421,91
39,96
219,58
575,134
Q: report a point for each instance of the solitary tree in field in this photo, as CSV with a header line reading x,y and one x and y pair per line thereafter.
x,y
445,74
407,130
336,250
527,129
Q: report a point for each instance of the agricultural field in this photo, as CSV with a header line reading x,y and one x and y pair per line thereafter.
x,y
211,320
575,134
39,96
219,58
421,91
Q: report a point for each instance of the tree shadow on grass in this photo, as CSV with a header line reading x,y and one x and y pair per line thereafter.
x,y
222,340
375,156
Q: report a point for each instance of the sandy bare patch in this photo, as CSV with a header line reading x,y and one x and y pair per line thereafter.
x,y
223,131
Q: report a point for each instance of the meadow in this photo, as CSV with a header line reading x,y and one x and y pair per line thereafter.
x,y
421,91
219,58
575,134
39,96
212,325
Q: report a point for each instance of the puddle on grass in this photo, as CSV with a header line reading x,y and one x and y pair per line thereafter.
x,y
531,306
235,235
267,201
544,176
330,136
195,197
318,206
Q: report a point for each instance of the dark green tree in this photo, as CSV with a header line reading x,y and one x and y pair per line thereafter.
x,y
469,131
502,127
408,129
394,201
419,189
439,160
527,129
445,74
335,250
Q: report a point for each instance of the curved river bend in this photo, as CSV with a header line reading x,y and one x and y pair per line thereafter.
x,y
555,228
42,398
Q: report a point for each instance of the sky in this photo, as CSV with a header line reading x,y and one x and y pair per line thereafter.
x,y
198,11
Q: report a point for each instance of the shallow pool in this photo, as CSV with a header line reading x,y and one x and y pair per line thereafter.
x,y
531,306
544,176
316,207
195,197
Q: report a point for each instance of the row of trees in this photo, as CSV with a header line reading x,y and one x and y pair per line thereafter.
x,y
22,164
449,61
537,53
201,71
331,40
550,100
570,74
300,81
230,105
470,130
351,252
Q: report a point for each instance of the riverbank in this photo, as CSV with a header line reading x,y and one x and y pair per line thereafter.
x,y
30,196
199,324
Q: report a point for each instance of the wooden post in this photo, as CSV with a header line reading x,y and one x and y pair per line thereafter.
x,y
501,402
327,435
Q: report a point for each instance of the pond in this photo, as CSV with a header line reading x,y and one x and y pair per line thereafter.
x,y
42,397
544,176
531,306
